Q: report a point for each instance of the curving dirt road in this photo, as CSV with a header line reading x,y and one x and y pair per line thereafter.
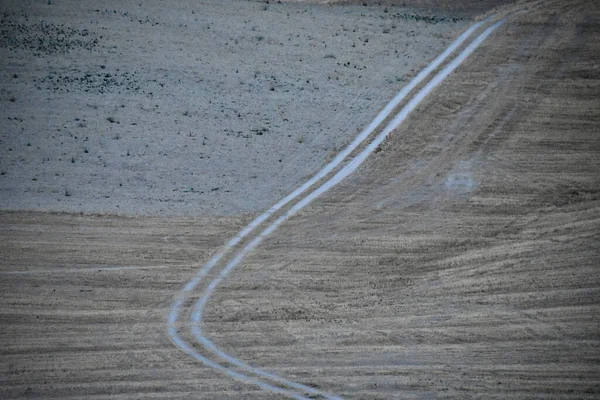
x,y
434,254
349,168
459,261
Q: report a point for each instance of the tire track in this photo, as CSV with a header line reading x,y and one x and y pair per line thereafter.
x,y
353,164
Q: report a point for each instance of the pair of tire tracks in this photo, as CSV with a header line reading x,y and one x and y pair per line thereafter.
x,y
332,174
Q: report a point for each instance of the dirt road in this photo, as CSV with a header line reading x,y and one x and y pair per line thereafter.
x,y
463,258
300,199
459,261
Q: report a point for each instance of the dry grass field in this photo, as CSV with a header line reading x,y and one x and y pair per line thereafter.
x,y
460,261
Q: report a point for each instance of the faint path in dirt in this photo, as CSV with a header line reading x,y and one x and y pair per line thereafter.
x,y
196,317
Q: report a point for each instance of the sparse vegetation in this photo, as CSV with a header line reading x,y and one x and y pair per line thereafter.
x,y
260,131
430,19
278,95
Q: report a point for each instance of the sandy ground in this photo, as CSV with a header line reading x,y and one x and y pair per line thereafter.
x,y
461,261
96,291
213,107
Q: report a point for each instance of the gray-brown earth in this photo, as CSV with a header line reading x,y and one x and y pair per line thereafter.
x,y
461,261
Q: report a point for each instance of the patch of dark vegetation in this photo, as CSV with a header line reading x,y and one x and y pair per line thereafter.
x,y
44,37
260,131
97,83
129,15
429,19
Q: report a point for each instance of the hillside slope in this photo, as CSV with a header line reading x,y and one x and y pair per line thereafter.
x,y
462,260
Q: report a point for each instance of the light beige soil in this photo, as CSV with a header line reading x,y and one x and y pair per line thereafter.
x,y
72,325
460,262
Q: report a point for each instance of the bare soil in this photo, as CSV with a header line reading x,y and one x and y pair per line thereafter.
x,y
461,261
